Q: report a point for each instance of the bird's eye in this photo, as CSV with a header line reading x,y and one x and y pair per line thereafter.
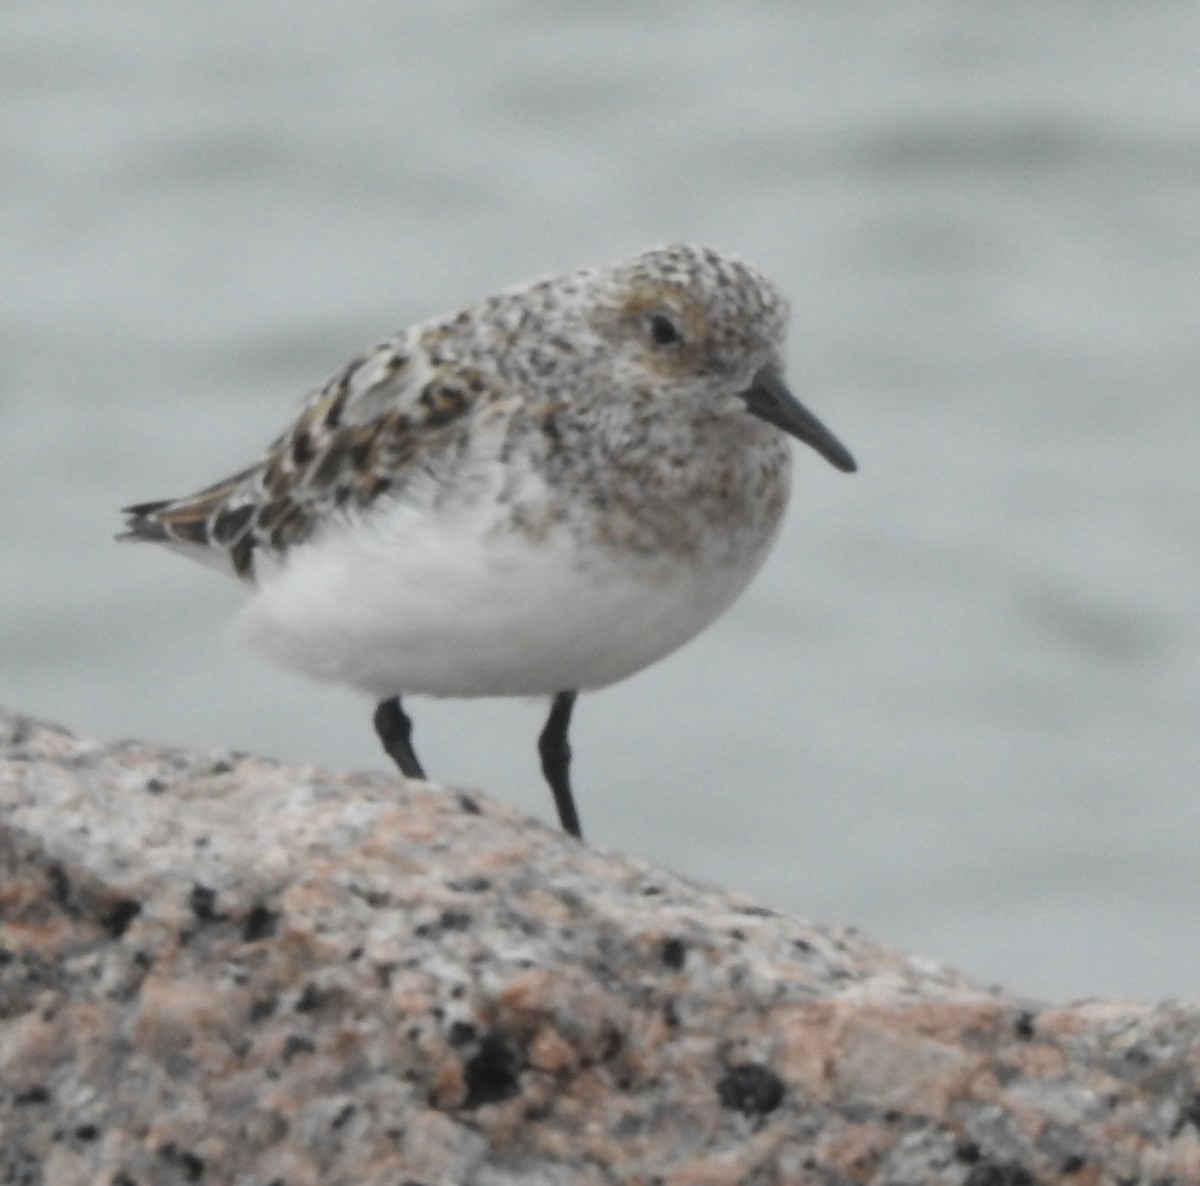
x,y
663,331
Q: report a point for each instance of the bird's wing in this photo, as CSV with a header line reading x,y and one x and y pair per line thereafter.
x,y
361,435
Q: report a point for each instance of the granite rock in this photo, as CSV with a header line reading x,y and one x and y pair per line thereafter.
x,y
215,968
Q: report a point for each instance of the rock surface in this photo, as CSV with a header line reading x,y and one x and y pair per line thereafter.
x,y
219,969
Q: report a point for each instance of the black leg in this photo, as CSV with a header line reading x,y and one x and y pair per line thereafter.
x,y
555,750
395,731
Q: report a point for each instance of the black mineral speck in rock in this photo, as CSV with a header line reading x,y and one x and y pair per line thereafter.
x,y
191,1166
117,918
259,923
1189,1113
752,1089
262,1008
996,1173
296,1045
491,1073
448,920
674,953
203,901
472,885
614,1043
60,887
460,1033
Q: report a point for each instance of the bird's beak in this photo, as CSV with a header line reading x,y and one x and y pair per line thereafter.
x,y
768,398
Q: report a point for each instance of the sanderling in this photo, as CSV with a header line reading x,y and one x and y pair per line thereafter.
x,y
538,495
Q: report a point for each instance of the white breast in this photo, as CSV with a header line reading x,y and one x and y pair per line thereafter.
x,y
457,604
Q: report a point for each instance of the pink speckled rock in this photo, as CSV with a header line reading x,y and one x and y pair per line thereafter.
x,y
218,969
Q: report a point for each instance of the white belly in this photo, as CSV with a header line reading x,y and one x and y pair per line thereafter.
x,y
404,602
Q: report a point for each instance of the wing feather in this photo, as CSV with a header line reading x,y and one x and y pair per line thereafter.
x,y
354,440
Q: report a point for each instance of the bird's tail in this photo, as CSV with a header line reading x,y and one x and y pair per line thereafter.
x,y
142,523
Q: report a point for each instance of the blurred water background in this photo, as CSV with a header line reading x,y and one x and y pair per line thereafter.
x,y
959,706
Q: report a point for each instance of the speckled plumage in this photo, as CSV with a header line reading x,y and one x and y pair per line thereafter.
x,y
541,356
546,491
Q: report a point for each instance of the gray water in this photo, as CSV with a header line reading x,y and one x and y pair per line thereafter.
x,y
959,706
